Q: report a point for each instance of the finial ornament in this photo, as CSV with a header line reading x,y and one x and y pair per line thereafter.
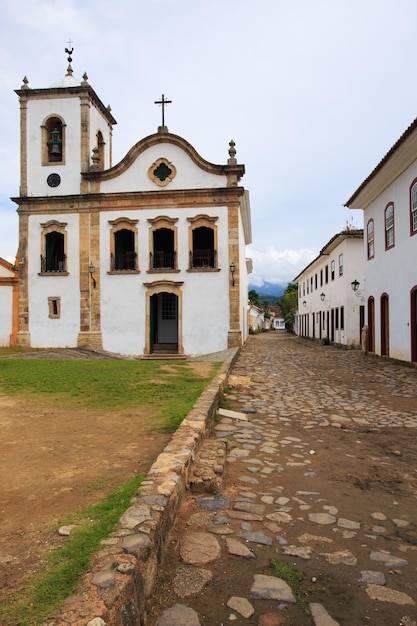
x,y
232,151
25,83
69,50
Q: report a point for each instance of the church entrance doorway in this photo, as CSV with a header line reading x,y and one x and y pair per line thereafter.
x,y
164,323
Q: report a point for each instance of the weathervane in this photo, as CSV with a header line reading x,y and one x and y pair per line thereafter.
x,y
163,102
69,50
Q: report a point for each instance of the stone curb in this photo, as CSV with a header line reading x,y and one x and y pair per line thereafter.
x,y
122,574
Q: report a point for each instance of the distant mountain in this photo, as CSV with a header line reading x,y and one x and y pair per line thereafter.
x,y
269,290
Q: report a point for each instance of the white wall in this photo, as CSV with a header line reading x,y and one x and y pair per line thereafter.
x,y
123,303
46,332
393,271
37,111
188,174
6,307
337,293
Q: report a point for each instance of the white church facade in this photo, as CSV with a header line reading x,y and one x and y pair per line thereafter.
x,y
145,257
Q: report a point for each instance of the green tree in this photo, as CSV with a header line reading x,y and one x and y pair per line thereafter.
x,y
254,297
288,304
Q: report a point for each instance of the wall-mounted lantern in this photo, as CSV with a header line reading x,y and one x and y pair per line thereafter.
x,y
322,296
355,285
232,271
91,270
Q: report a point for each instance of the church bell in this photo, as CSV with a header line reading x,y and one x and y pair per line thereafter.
x,y
55,143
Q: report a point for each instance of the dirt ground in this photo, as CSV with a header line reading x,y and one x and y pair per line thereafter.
x,y
54,462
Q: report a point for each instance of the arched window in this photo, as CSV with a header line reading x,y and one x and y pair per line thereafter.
x,y
163,244
123,245
100,149
53,248
413,208
53,144
389,226
203,242
370,239
163,249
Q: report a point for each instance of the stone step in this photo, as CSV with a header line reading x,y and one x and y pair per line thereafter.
x,y
207,473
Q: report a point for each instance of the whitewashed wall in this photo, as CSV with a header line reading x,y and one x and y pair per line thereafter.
x,y
38,110
46,332
123,297
337,293
393,271
6,308
188,174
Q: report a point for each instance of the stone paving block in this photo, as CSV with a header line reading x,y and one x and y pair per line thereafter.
x,y
320,615
385,594
241,605
198,548
270,588
179,615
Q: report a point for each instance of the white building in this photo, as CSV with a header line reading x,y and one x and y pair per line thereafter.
x,y
143,257
8,303
328,306
388,198
256,318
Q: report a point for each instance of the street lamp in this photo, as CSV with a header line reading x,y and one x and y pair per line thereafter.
x,y
355,285
304,303
322,296
232,271
91,270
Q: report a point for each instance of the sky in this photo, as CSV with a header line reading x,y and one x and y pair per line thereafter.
x,y
313,92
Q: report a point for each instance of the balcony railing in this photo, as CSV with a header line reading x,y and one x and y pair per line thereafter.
x,y
127,261
160,260
54,264
201,259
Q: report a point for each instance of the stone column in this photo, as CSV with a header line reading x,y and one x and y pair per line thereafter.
x,y
85,154
23,146
23,335
234,338
90,325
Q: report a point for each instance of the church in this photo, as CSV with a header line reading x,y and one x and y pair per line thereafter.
x,y
143,258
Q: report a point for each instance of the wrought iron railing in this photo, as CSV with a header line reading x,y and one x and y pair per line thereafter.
x,y
201,259
54,264
162,260
123,262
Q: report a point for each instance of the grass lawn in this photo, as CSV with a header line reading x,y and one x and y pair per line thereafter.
x,y
167,390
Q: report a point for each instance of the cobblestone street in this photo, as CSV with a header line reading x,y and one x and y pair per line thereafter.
x,y
321,479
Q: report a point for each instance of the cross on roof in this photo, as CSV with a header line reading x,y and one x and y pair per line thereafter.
x,y
163,102
69,50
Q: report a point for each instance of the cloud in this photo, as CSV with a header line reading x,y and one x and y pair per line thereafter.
x,y
313,93
277,266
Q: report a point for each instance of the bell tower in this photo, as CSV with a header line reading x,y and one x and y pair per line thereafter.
x,y
65,131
